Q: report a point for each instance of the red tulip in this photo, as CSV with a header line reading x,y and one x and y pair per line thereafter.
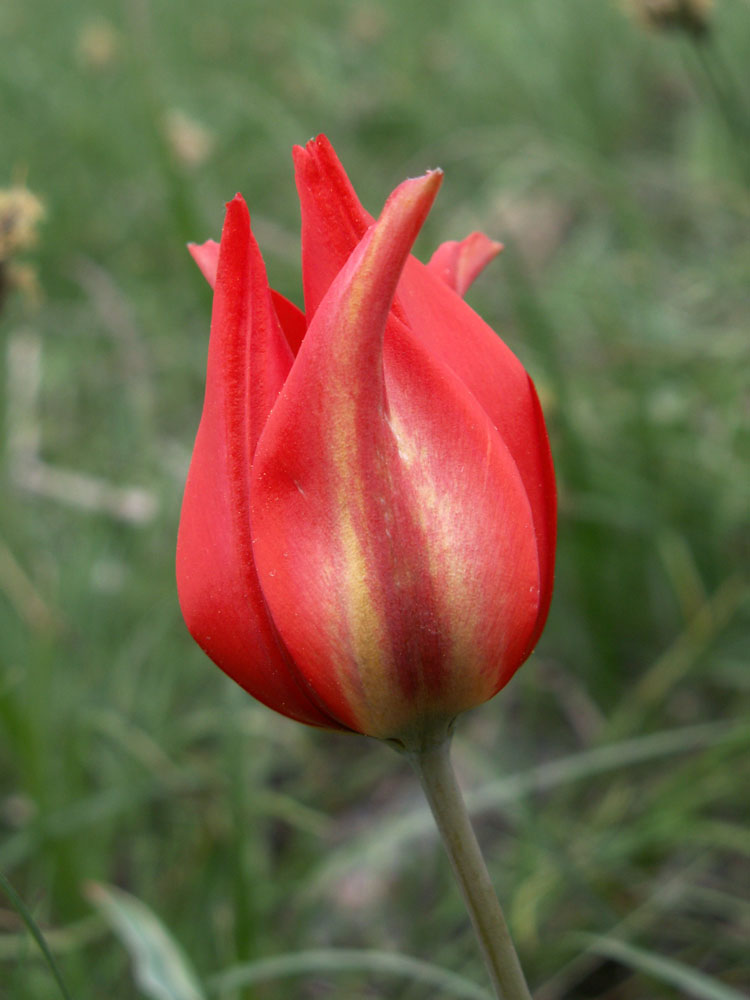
x,y
367,534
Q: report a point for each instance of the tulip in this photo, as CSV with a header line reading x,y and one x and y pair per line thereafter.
x,y
368,528
367,533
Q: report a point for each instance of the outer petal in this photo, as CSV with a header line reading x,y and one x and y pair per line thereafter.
x,y
459,263
499,382
332,222
292,319
219,593
393,535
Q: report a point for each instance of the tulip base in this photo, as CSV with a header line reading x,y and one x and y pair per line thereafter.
x,y
438,779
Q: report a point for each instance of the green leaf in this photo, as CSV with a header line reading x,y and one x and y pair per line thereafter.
x,y
692,982
161,969
25,914
339,960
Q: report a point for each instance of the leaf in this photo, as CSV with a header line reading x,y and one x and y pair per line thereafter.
x,y
339,960
25,914
161,969
691,981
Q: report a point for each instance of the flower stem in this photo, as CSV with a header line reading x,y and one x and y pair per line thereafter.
x,y
449,809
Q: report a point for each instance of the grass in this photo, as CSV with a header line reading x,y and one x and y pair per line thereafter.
x,y
610,778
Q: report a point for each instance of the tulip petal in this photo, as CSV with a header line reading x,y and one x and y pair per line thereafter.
x,y
497,379
460,262
392,531
219,592
487,538
206,256
292,319
333,220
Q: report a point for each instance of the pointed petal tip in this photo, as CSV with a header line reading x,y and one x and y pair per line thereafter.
x,y
206,256
195,250
414,196
238,202
427,183
479,245
433,179
459,262
318,144
236,219
429,178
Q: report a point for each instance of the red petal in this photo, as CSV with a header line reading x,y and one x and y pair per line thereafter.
x,y
292,319
333,220
453,332
393,535
221,600
206,256
485,550
459,264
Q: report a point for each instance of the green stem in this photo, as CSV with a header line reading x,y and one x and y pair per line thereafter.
x,y
449,809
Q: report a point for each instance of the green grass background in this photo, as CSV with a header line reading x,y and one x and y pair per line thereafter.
x,y
610,778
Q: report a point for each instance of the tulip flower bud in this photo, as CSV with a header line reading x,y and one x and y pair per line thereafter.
x,y
367,534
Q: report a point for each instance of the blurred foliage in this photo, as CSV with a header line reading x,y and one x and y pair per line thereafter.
x,y
610,777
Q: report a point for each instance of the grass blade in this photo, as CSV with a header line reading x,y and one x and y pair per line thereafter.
x,y
383,846
25,914
160,967
337,960
691,981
